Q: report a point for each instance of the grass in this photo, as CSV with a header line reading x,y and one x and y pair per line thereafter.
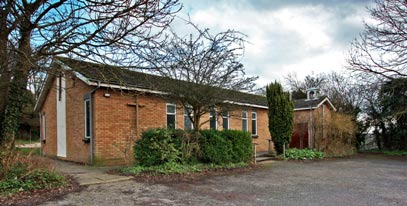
x,y
25,141
387,152
27,151
177,168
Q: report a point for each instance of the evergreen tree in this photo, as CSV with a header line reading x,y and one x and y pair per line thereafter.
x,y
281,115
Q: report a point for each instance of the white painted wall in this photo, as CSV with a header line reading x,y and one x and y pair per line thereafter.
x,y
61,119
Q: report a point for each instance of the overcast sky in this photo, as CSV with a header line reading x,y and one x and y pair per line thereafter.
x,y
285,36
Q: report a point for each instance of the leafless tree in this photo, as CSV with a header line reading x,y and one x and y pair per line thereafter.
x,y
380,52
207,66
32,32
343,91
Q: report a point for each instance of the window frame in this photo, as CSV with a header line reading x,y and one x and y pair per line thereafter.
x,y
254,126
188,116
167,113
43,126
227,117
88,111
213,117
245,129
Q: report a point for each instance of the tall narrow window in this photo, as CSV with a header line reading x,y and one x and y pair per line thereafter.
x,y
254,123
43,123
213,124
244,121
171,113
88,119
225,120
187,118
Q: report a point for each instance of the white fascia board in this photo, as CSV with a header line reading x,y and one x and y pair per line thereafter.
x,y
115,86
305,108
245,104
327,100
39,97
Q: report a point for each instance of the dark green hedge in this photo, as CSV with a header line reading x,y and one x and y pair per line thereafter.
x,y
160,146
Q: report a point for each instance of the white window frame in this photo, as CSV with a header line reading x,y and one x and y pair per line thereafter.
x,y
43,125
167,113
255,125
227,117
186,115
213,116
247,123
87,136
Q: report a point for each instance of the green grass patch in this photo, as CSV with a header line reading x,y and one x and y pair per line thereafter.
x,y
177,168
27,151
303,154
387,152
25,141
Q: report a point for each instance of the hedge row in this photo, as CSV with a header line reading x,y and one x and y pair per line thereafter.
x,y
161,146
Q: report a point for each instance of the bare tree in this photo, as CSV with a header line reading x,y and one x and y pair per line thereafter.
x,y
32,32
380,52
207,66
344,93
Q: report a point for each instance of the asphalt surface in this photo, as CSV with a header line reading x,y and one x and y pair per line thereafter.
x,y
361,180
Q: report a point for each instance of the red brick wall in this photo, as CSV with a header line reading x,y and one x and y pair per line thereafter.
x,y
77,150
49,148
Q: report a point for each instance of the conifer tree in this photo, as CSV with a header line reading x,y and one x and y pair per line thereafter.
x,y
281,114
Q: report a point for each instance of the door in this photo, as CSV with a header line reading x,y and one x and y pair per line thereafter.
x,y
299,138
61,117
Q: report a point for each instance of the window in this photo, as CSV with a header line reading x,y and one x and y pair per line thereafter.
x,y
43,126
187,118
88,119
171,112
244,121
254,123
213,124
225,120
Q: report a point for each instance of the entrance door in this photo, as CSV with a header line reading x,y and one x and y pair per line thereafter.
x,y
299,139
61,117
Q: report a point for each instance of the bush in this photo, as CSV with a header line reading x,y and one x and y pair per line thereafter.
x,y
162,146
215,148
227,146
242,148
302,154
158,146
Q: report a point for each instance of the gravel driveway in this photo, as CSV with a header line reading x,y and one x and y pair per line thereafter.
x,y
361,180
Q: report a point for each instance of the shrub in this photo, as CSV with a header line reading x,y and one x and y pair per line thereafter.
x,y
302,154
242,148
158,146
215,148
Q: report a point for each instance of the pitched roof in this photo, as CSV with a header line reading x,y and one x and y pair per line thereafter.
x,y
306,104
111,76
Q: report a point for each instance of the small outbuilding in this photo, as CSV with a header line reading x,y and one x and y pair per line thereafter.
x,y
310,116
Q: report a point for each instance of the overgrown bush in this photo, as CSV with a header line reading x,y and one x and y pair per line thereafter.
x,y
303,154
158,146
20,172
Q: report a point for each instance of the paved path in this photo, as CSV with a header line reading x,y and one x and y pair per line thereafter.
x,y
363,180
88,175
